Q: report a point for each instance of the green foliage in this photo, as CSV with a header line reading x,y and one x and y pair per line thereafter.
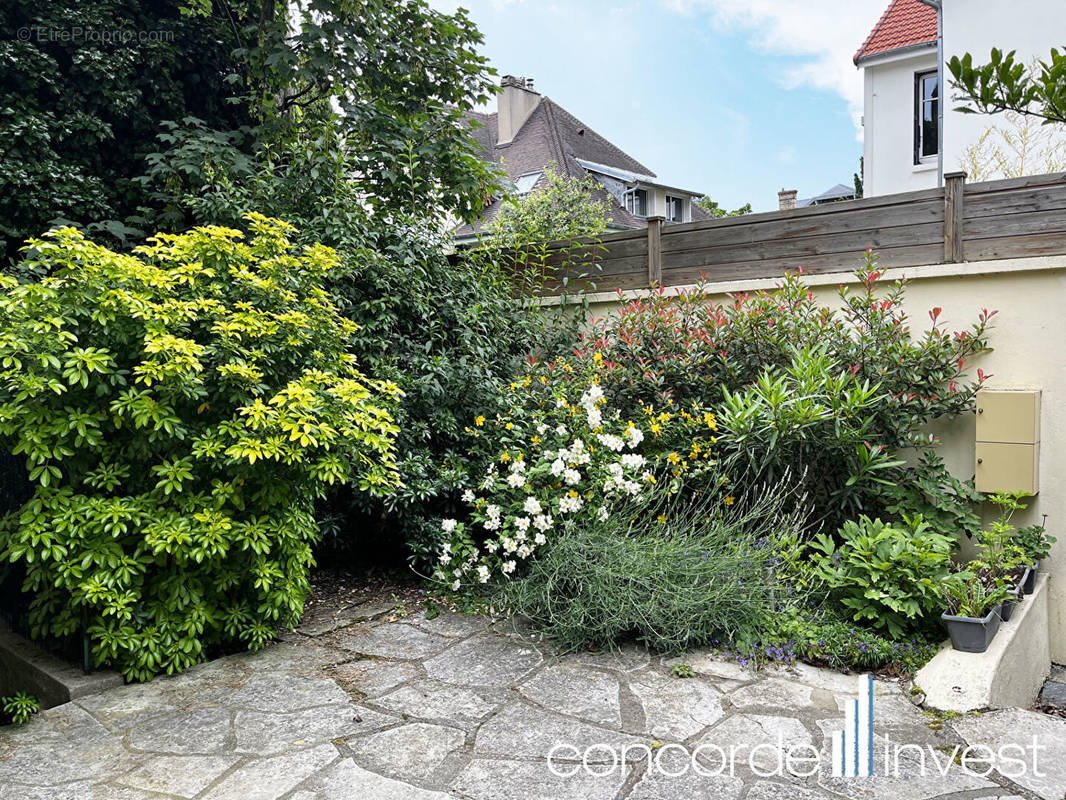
x,y
180,408
968,596
708,573
813,416
887,575
928,490
815,633
20,707
1034,542
559,207
1005,84
718,212
84,89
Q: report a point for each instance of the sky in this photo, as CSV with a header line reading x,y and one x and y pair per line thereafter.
x,y
733,98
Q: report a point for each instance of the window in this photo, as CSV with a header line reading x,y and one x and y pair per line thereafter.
x,y
675,209
926,116
525,183
637,202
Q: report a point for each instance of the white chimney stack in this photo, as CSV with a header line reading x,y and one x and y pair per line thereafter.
x,y
513,106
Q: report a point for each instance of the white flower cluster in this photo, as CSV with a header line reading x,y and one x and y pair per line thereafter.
x,y
584,458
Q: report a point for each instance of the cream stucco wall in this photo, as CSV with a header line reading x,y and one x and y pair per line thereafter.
x,y
1029,341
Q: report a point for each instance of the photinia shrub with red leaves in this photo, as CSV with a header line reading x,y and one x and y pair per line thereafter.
x,y
801,387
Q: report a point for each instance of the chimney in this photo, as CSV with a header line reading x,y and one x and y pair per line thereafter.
x,y
786,199
514,104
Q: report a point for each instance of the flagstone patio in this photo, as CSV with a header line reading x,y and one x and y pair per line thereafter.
x,y
365,705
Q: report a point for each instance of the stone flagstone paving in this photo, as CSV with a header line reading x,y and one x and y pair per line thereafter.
x,y
361,707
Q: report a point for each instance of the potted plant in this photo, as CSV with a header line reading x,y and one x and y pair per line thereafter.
x,y
1036,544
972,614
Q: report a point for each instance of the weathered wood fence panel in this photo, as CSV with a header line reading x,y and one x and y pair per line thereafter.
x,y
1012,218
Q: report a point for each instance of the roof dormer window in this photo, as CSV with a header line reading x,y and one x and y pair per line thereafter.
x,y
525,183
675,209
637,202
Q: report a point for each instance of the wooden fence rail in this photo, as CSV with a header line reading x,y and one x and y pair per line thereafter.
x,y
1012,218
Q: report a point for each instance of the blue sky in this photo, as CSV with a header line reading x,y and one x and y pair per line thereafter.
x,y
735,98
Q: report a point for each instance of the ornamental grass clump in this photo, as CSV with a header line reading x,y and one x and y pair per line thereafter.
x,y
673,573
180,409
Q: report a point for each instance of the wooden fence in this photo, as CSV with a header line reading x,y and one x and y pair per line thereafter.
x,y
1012,218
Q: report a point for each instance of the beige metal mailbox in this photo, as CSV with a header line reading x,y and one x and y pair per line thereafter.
x,y
1008,441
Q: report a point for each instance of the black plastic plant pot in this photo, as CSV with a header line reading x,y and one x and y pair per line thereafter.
x,y
1028,581
970,634
1014,596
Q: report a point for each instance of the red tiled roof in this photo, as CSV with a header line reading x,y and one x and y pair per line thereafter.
x,y
905,23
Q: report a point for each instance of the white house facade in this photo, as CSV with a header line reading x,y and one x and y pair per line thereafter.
x,y
909,140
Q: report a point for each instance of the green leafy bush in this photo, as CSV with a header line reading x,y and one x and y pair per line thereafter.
x,y
180,409
673,573
887,575
967,595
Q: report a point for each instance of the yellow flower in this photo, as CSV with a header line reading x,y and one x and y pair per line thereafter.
x,y
479,420
567,368
543,378
597,357
648,410
535,440
673,458
649,477
505,457
710,421
729,500
664,417
656,428
662,519
509,425
573,493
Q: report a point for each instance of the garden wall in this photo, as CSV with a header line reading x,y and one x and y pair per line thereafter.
x,y
1029,341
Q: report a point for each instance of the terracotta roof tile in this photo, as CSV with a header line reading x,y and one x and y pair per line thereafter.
x,y
905,23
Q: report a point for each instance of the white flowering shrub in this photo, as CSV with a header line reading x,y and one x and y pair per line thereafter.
x,y
557,460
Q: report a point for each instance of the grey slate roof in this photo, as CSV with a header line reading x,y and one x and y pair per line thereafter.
x,y
553,134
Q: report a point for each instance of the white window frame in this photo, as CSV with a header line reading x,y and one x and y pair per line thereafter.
x,y
682,207
630,201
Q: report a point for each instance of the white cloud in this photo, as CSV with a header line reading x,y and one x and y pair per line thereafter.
x,y
821,35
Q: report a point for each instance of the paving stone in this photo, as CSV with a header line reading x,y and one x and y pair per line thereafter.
x,y
576,690
774,693
1058,673
346,780
62,745
200,731
709,663
1053,694
675,776
270,778
484,660
265,733
998,729
325,620
759,740
894,716
371,677
827,679
485,779
272,692
436,701
676,708
411,752
451,624
125,706
299,656
83,790
394,640
522,731
628,658
769,790
185,776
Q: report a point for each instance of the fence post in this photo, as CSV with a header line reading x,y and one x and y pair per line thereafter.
x,y
954,194
655,250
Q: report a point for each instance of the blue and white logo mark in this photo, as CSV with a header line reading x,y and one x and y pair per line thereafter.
x,y
853,747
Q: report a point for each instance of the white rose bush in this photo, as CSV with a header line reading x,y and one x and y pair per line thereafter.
x,y
560,458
